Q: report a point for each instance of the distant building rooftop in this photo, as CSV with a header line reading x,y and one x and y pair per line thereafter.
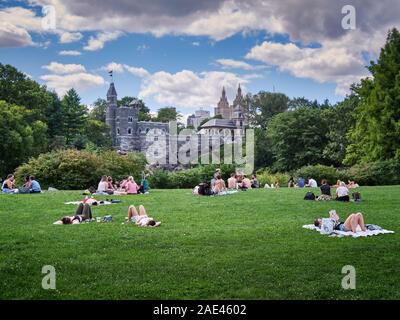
x,y
219,123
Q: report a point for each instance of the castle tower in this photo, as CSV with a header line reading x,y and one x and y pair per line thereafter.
x,y
238,110
223,108
112,106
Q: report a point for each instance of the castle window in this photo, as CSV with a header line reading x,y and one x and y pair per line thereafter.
x,y
130,119
118,131
147,130
117,119
241,123
156,153
188,153
129,131
155,138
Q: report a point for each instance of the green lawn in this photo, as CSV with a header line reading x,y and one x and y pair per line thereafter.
x,y
245,246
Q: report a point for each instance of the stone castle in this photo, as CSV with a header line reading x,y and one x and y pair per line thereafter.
x,y
130,134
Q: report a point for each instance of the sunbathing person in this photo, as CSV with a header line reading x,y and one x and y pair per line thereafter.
x,y
141,219
82,213
352,222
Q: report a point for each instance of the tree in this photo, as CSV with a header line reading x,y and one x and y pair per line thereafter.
x,y
264,105
98,133
16,88
167,114
99,110
21,138
144,111
341,119
376,133
298,138
74,116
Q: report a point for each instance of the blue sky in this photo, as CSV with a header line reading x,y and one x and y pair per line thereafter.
x,y
185,60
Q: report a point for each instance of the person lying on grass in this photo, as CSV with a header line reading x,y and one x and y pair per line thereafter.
x,y
82,213
352,222
141,219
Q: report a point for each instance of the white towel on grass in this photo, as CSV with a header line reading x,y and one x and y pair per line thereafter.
x,y
79,202
359,233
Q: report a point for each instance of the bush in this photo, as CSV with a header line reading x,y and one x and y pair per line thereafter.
x,y
265,176
189,178
73,169
376,173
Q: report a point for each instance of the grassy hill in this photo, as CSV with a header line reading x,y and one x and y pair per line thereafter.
x,y
250,245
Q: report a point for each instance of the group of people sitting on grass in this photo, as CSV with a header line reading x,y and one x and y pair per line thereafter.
x,y
127,186
31,185
312,183
84,214
217,185
342,193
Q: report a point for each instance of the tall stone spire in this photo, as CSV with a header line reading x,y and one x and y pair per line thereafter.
x,y
223,106
112,94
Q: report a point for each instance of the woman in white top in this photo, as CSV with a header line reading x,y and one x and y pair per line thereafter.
x,y
103,185
342,193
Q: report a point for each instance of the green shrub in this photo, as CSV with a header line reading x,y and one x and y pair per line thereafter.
x,y
265,176
73,169
376,173
162,179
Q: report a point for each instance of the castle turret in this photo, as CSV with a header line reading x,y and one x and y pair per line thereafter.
x,y
112,106
223,108
238,111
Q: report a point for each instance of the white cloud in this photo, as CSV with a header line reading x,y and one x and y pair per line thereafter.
x,y
79,81
113,66
69,37
69,53
97,43
138,72
13,36
196,44
121,68
188,89
236,64
60,68
333,62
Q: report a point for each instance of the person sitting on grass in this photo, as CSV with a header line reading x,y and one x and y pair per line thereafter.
x,y
352,222
131,186
8,185
103,186
35,186
300,182
144,185
342,193
141,219
312,183
254,182
352,185
232,182
219,186
246,183
82,213
325,192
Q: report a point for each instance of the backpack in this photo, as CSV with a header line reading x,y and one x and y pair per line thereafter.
x,y
356,196
309,196
24,190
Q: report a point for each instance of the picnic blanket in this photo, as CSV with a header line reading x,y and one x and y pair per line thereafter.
x,y
358,234
102,203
